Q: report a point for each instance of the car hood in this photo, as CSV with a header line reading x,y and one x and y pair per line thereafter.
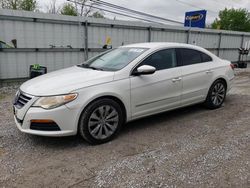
x,y
65,80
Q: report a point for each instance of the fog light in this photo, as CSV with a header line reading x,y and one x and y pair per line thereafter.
x,y
44,125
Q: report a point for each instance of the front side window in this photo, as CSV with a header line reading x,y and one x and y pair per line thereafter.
x,y
114,60
163,59
4,45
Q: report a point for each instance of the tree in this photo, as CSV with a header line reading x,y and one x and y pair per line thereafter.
x,y
52,7
81,8
233,19
84,7
10,4
68,9
97,15
29,5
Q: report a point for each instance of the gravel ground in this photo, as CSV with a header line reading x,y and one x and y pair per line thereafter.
x,y
190,147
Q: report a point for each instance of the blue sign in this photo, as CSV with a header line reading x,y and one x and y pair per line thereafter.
x,y
195,19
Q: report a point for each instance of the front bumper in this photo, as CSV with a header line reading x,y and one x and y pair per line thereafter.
x,y
64,117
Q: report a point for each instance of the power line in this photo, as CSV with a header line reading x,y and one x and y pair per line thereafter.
x,y
133,11
125,12
192,5
114,12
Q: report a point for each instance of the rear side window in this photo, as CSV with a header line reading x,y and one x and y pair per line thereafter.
x,y
205,57
163,59
190,56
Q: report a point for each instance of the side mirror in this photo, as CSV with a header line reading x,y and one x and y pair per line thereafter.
x,y
144,70
14,42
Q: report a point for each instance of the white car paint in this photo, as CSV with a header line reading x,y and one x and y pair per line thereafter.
x,y
141,95
65,80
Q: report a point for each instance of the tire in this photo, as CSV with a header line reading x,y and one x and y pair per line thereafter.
x,y
216,95
101,121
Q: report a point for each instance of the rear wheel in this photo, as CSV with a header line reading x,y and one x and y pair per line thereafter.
x,y
216,95
101,121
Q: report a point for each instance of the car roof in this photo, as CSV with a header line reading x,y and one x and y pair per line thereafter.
x,y
161,45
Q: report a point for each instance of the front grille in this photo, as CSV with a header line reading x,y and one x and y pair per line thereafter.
x,y
44,126
21,100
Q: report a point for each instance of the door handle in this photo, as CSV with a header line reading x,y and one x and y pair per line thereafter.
x,y
209,71
177,79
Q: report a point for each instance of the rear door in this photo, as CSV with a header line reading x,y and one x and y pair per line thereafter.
x,y
196,75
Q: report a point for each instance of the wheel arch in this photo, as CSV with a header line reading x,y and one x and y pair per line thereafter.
x,y
223,80
218,78
114,98
208,103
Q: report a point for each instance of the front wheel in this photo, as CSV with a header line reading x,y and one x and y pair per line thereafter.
x,y
216,95
101,121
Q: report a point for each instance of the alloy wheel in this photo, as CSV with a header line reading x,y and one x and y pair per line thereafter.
x,y
103,122
218,94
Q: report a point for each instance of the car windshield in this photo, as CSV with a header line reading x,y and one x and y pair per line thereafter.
x,y
114,60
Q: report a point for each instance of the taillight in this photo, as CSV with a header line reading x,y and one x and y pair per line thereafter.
x,y
232,66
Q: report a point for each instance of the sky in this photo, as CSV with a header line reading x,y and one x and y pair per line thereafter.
x,y
171,9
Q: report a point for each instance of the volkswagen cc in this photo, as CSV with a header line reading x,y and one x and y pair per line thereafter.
x,y
96,98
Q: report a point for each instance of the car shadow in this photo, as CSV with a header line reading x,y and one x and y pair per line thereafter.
x,y
58,142
164,117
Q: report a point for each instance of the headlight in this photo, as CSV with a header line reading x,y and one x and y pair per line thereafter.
x,y
54,101
16,97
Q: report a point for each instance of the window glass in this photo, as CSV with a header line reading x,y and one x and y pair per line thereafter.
x,y
205,57
163,59
4,45
190,56
115,59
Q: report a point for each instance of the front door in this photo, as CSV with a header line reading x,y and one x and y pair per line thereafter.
x,y
160,91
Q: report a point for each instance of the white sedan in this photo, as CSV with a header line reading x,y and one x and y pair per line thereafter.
x,y
97,97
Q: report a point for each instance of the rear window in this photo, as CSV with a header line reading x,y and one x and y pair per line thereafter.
x,y
205,57
190,56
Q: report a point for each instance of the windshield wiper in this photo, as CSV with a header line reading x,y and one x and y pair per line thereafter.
x,y
95,68
89,67
83,65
